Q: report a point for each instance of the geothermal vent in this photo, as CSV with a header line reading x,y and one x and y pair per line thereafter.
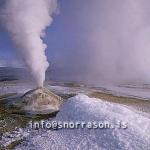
x,y
41,100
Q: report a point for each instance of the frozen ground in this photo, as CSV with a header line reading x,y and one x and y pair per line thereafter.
x,y
81,108
137,91
21,88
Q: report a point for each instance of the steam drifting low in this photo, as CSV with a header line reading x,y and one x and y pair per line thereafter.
x,y
110,42
26,21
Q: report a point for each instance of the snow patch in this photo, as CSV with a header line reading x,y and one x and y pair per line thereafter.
x,y
83,108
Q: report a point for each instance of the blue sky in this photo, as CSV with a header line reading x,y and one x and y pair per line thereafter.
x,y
66,39
63,36
101,40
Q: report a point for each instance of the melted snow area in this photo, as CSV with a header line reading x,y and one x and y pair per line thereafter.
x,y
83,108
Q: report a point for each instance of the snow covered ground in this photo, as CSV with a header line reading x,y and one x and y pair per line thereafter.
x,y
23,88
138,91
82,108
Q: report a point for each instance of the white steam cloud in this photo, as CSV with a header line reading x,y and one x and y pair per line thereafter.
x,y
114,44
26,21
120,41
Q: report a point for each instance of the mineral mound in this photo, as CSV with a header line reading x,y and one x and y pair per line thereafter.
x,y
41,100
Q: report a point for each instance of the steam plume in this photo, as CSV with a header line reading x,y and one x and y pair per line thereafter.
x,y
26,21
111,42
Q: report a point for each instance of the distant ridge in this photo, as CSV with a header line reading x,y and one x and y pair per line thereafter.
x,y
10,73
